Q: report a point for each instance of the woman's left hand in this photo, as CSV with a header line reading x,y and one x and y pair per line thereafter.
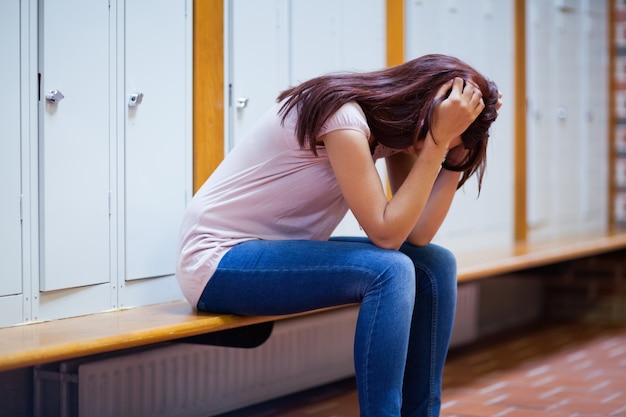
x,y
454,114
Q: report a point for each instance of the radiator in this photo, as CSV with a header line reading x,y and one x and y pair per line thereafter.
x,y
186,380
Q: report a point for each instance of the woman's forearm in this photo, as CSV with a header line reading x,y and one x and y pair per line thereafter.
x,y
436,208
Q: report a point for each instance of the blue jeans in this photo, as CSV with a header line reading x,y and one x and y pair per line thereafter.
x,y
407,299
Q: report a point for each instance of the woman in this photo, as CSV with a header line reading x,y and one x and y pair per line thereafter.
x,y
255,238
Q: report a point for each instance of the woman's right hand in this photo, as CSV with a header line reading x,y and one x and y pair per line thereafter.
x,y
454,114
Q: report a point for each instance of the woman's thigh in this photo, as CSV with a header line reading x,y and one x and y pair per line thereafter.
x,y
262,277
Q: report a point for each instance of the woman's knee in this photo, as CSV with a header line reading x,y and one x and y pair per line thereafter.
x,y
431,257
436,262
399,276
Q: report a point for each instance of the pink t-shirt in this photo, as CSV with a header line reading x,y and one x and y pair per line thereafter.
x,y
266,188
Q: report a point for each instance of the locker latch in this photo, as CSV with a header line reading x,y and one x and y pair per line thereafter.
x,y
135,99
54,96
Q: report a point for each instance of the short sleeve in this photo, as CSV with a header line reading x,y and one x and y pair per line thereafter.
x,y
349,116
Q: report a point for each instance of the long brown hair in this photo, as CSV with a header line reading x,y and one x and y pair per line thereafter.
x,y
398,103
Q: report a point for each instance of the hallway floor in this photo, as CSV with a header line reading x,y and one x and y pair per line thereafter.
x,y
565,370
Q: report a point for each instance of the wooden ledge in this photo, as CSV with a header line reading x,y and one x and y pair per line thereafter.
x,y
57,340
525,255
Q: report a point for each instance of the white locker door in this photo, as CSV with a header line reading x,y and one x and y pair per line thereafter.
x,y
453,27
74,143
157,58
324,37
593,175
466,29
257,60
10,230
566,82
540,116
330,35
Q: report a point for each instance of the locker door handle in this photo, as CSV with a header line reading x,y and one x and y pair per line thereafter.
x,y
242,102
135,99
54,96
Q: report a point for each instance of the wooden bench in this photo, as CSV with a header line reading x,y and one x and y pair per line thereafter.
x,y
38,343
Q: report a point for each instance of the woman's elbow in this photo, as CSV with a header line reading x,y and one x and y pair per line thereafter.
x,y
387,242
420,239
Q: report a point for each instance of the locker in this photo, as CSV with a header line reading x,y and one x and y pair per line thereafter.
x,y
540,124
323,37
478,32
258,35
157,134
94,184
567,83
594,113
10,155
75,109
567,69
274,44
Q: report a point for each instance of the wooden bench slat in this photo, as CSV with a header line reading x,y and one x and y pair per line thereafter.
x,y
524,255
37,343
56,340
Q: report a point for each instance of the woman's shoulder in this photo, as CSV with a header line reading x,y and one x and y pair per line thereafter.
x,y
348,116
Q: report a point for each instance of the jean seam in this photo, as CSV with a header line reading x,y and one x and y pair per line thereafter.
x,y
433,336
368,349
433,333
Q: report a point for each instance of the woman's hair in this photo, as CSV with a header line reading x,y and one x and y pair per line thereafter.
x,y
398,103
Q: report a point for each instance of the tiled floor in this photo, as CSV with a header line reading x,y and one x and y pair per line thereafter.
x,y
567,370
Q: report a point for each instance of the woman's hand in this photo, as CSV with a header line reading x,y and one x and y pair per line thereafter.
x,y
454,114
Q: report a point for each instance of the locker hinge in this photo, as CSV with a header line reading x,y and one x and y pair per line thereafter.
x,y
21,208
109,203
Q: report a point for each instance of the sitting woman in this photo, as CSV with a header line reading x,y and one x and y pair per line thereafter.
x,y
256,238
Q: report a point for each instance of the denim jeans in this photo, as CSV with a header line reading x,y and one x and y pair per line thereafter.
x,y
407,301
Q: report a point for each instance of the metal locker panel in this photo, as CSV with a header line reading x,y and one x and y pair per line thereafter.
x,y
334,46
368,50
422,35
567,85
10,189
450,27
75,110
258,66
323,40
567,127
310,55
465,29
11,308
540,117
158,135
593,176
